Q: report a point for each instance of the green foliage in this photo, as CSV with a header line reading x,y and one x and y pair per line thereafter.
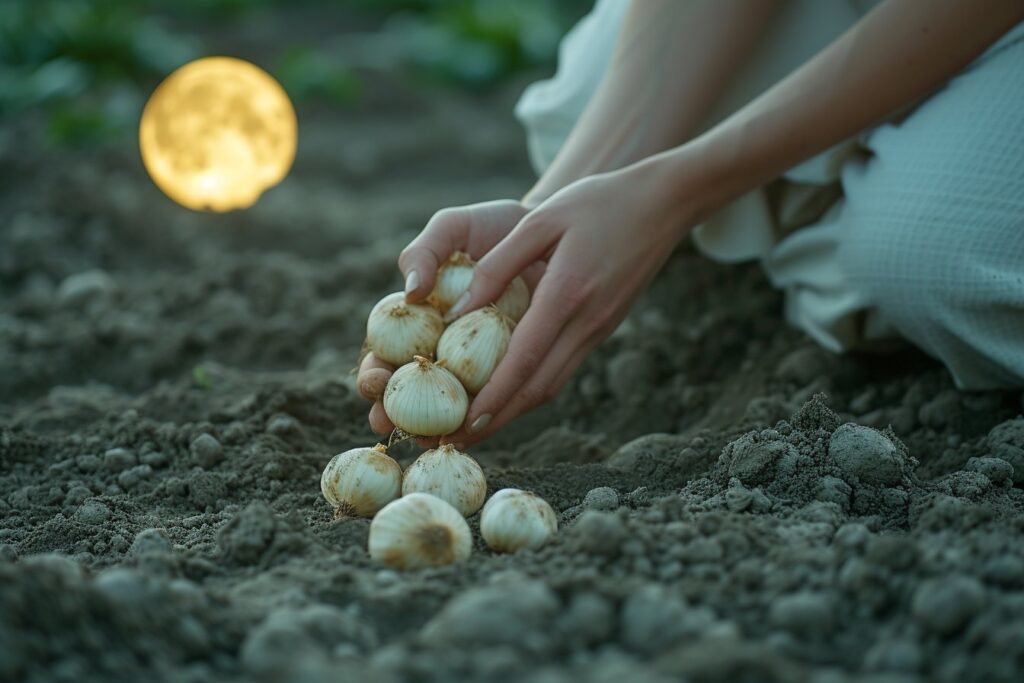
x,y
479,42
309,75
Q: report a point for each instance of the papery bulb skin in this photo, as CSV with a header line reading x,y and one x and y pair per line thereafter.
x,y
397,332
514,520
473,345
424,399
361,481
449,474
419,530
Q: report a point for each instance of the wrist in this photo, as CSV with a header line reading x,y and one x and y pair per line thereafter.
x,y
676,191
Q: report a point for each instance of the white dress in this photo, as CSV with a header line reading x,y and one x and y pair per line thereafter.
x,y
913,229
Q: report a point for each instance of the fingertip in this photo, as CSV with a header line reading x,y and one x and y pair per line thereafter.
x,y
372,383
379,421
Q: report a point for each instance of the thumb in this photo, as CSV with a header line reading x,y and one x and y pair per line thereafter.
x,y
528,242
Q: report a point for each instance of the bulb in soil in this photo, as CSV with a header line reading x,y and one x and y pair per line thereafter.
x,y
419,530
449,474
453,280
473,345
396,332
359,482
515,520
424,399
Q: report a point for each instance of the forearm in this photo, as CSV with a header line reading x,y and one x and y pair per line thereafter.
x,y
897,54
672,61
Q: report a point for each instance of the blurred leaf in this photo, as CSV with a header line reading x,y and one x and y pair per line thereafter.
x,y
71,124
309,75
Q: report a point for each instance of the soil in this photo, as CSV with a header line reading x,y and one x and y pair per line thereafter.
x,y
735,504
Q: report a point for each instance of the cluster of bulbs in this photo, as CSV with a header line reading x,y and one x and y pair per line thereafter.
x,y
419,516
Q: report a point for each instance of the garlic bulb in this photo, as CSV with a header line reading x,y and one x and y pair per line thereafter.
x,y
424,399
359,482
514,519
449,474
419,530
453,280
514,301
397,331
473,345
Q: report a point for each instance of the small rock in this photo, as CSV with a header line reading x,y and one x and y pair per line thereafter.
x,y
1006,571
653,618
631,374
589,619
248,534
117,459
940,411
154,459
92,512
206,451
804,365
129,479
601,498
80,287
945,605
752,459
151,541
1006,441
283,425
834,490
997,470
88,463
206,489
866,454
77,495
598,533
515,613
805,613
897,654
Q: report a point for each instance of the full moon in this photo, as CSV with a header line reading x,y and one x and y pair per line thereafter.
x,y
216,133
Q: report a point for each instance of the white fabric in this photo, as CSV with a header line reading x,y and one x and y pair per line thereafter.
x,y
890,252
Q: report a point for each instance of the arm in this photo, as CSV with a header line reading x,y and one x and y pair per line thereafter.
x,y
672,61
900,52
896,55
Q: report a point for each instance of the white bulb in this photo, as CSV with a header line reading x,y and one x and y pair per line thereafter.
x,y
513,520
396,331
359,482
449,474
473,345
419,530
424,399
453,279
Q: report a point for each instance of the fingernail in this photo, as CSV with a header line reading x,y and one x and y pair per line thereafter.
x,y
454,311
480,423
412,281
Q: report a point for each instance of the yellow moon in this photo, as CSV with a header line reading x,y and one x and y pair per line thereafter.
x,y
216,133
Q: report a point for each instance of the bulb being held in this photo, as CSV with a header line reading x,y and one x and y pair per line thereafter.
x,y
453,279
361,481
419,530
514,520
396,331
449,474
422,398
473,345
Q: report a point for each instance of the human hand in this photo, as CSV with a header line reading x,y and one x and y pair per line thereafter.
x,y
474,229
603,238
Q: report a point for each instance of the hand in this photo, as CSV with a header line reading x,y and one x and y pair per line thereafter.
x,y
603,237
474,229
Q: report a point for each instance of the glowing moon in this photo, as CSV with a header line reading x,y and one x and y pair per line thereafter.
x,y
217,133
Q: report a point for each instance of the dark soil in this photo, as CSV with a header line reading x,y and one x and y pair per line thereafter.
x,y
172,384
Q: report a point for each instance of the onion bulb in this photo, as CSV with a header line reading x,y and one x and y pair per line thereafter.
x,y
359,482
424,399
449,474
419,530
473,345
397,331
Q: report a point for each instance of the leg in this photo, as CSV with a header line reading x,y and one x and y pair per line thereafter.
x,y
934,223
